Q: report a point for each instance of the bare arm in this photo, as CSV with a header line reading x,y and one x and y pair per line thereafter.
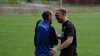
x,y
66,43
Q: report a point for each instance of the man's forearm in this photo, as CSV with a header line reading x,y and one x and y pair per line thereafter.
x,y
66,43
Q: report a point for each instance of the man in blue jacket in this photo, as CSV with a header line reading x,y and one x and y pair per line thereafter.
x,y
45,36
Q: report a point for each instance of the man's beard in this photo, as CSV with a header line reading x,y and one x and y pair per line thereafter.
x,y
59,21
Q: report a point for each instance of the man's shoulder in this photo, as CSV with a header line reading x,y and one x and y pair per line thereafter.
x,y
68,23
43,26
39,21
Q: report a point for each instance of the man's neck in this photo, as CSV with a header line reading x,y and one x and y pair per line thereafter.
x,y
65,19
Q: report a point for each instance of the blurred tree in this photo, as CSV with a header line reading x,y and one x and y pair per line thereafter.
x,y
13,2
3,1
45,1
97,1
29,1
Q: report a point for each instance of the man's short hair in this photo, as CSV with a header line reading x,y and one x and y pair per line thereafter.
x,y
62,10
46,14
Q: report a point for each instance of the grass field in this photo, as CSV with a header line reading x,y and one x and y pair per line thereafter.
x,y
16,34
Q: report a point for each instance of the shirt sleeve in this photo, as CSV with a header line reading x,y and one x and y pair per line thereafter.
x,y
69,30
42,36
35,35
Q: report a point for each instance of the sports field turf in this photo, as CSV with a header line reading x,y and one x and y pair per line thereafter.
x,y
16,34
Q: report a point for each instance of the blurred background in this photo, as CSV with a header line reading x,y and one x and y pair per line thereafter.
x,y
31,6
18,19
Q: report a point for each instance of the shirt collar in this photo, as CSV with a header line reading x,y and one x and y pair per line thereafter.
x,y
64,23
47,22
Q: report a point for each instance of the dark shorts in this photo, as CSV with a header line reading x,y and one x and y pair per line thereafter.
x,y
68,54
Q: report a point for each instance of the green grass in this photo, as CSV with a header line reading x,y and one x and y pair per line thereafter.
x,y
16,34
88,31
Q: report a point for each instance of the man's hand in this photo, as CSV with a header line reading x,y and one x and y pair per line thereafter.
x,y
53,51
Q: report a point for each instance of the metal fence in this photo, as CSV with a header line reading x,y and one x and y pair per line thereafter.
x,y
26,6
14,7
